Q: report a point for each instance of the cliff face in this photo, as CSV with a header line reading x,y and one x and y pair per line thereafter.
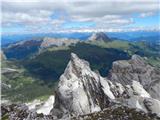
x,y
137,69
79,90
82,91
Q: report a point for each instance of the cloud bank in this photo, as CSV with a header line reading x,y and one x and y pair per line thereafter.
x,y
49,16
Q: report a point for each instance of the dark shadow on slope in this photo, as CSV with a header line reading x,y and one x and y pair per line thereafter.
x,y
49,65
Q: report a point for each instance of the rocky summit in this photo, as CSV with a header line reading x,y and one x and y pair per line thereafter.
x,y
130,92
137,69
82,91
99,36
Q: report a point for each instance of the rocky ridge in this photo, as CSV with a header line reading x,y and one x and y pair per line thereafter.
x,y
47,42
29,48
137,69
82,91
44,42
83,94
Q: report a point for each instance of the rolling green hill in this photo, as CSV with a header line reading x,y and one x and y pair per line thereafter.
x,y
19,86
49,65
151,51
51,62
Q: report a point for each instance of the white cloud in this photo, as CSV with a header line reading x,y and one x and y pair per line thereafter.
x,y
143,15
104,13
113,21
111,29
24,17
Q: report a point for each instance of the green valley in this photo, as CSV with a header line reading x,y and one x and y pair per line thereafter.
x,y
36,76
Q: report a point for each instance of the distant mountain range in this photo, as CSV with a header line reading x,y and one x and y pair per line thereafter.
x,y
7,39
23,49
131,36
31,45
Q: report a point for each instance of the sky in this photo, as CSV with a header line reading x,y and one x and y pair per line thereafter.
x,y
47,16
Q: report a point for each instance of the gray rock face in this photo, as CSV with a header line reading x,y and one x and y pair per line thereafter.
x,y
152,105
82,91
100,36
79,90
21,112
137,69
47,42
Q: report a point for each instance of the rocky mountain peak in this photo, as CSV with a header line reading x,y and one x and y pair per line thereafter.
x,y
136,59
75,67
125,71
82,91
135,64
79,90
77,62
100,36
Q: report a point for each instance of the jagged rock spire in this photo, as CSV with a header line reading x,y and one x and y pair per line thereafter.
x,y
81,91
